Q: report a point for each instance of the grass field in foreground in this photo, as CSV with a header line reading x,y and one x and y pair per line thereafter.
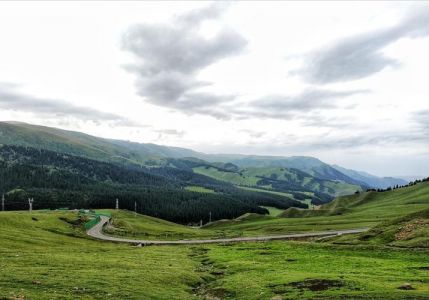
x,y
47,256
293,270
44,257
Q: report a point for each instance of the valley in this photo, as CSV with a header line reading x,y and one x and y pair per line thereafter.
x,y
36,246
214,150
272,228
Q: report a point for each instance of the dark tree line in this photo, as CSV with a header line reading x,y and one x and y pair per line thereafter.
x,y
390,188
57,180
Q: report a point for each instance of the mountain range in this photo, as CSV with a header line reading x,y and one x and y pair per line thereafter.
x,y
118,151
73,169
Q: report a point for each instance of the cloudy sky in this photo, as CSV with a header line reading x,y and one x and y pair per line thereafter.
x,y
344,82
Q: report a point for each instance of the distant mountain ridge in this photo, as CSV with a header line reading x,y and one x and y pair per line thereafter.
x,y
371,180
125,152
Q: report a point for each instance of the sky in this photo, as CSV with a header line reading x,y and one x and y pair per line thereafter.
x,y
344,82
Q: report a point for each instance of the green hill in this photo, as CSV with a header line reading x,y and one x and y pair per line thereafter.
x,y
371,180
76,143
316,180
46,255
409,231
298,184
309,165
56,180
355,211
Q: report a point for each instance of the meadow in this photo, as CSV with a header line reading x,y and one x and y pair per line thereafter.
x,y
47,255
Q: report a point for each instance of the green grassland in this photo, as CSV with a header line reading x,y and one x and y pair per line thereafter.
x,y
267,191
274,212
46,255
356,211
199,189
138,226
294,270
249,178
231,177
76,143
410,231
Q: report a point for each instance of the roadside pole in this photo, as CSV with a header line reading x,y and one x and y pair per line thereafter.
x,y
210,217
2,202
117,203
135,208
30,203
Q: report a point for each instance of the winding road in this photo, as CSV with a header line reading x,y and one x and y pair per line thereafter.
x,y
97,232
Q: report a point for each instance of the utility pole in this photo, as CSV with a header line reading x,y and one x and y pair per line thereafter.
x,y
30,203
135,208
210,217
2,202
117,203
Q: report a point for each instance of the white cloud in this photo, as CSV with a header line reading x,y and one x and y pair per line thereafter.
x,y
203,95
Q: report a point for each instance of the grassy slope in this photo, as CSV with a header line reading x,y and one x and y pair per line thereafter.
x,y
49,258
250,176
355,211
231,177
266,191
81,144
199,189
263,270
274,212
63,141
410,231
145,227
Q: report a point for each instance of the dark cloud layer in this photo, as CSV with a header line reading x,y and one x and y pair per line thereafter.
x,y
422,119
52,108
294,107
308,100
360,56
169,57
171,132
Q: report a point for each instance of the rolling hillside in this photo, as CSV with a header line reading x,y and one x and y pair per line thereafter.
x,y
124,152
309,165
76,143
297,269
57,180
367,209
371,180
409,231
300,185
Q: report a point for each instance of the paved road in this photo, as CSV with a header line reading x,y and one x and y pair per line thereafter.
x,y
97,232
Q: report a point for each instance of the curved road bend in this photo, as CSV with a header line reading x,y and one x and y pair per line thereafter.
x,y
97,232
